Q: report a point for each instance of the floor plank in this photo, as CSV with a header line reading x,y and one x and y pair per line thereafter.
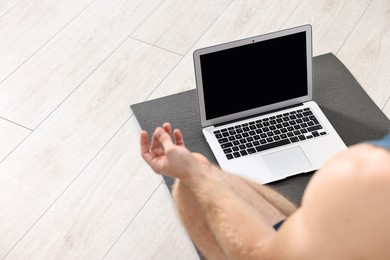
x,y
331,20
66,192
64,63
6,5
177,25
36,173
91,215
367,54
11,135
156,233
29,25
386,110
242,19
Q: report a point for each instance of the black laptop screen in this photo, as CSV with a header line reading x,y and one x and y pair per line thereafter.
x,y
254,75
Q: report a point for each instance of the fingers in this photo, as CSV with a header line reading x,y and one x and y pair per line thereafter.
x,y
144,144
164,138
162,151
156,145
160,141
167,127
178,136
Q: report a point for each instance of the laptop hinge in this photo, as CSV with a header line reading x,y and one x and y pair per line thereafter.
x,y
260,114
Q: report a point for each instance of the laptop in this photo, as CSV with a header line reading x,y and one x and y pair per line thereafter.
x,y
256,107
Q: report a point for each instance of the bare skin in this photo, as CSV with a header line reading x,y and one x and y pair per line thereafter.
x,y
344,212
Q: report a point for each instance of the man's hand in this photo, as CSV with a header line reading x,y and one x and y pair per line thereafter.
x,y
170,158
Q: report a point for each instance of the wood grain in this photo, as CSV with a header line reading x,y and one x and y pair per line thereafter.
x,y
386,110
156,233
10,136
76,187
29,25
6,5
177,25
37,173
331,20
34,91
93,212
366,52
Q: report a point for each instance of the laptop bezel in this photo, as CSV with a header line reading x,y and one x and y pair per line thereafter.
x,y
252,112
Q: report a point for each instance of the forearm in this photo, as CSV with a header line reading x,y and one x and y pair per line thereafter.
x,y
285,206
239,229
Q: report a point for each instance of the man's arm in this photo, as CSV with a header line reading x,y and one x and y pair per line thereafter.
x,y
344,212
241,231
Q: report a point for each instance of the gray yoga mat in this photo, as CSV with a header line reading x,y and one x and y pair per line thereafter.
x,y
351,111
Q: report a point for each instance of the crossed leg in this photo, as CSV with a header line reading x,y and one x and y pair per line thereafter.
x,y
269,203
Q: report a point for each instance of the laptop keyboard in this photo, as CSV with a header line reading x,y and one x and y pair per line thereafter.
x,y
259,135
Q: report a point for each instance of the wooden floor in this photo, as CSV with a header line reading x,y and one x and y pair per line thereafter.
x,y
72,182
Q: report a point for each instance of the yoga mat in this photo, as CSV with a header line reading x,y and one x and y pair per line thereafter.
x,y
350,110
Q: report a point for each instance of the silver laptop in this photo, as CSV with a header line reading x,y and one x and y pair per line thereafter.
x,y
256,107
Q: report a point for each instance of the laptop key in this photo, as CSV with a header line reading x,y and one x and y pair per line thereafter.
x,y
272,145
226,145
243,141
223,140
314,128
228,150
254,136
251,150
302,137
243,153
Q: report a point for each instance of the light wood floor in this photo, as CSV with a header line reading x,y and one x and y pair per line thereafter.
x,y
72,182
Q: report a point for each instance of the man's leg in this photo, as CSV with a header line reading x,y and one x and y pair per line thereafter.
x,y
193,216
285,206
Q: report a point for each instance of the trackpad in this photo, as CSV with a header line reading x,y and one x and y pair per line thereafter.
x,y
286,162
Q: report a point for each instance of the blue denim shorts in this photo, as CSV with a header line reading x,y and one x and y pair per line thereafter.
x,y
384,142
277,225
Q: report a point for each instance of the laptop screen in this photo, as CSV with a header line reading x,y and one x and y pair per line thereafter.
x,y
254,75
